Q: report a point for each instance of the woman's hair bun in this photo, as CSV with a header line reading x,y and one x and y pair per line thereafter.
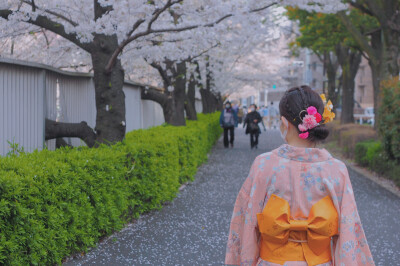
x,y
294,104
318,133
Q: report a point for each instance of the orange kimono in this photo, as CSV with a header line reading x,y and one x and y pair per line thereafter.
x,y
297,207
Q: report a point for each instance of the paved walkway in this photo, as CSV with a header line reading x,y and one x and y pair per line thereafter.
x,y
192,230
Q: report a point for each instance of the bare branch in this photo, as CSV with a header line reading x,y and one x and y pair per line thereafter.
x,y
135,26
45,36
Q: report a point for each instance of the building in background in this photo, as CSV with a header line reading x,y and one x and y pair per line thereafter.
x,y
305,69
364,91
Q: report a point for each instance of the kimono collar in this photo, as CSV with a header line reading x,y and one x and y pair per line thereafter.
x,y
303,154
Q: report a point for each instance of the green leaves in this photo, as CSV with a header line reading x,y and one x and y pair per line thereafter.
x,y
322,32
55,203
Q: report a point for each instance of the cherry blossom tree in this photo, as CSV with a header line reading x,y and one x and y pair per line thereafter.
x,y
104,36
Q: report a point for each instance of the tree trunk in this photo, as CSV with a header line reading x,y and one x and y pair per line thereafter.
x,y
110,98
207,97
379,70
220,102
172,102
179,94
190,103
206,101
349,61
331,66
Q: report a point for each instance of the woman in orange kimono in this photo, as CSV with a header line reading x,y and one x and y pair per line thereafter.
x,y
297,206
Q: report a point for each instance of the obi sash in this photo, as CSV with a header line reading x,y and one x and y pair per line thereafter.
x,y
284,239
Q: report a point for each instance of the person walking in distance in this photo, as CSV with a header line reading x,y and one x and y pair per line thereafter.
x,y
228,121
252,119
272,115
264,115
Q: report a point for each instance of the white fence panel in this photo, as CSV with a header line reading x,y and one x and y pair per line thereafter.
x,y
31,92
77,101
198,105
51,103
133,107
152,114
22,109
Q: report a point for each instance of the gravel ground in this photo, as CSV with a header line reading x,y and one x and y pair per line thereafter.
x,y
192,230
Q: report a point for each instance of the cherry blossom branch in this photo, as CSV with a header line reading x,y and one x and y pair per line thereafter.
x,y
203,52
50,25
34,7
162,73
156,14
113,58
135,26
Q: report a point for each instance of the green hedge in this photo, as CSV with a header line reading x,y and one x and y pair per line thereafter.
x,y
372,155
56,203
389,118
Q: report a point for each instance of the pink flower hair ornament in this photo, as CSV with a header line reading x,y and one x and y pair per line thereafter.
x,y
310,120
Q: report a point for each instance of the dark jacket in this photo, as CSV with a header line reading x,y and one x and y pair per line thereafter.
x,y
250,117
235,117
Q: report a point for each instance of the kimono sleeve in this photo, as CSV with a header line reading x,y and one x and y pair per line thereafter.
x,y
351,247
243,240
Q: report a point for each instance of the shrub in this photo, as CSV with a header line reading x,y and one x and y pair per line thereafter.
x,y
55,203
348,135
371,154
389,118
366,151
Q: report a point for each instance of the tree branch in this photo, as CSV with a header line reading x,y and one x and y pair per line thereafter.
x,y
135,26
154,95
73,130
361,8
130,38
47,23
190,58
113,58
34,7
358,36
163,74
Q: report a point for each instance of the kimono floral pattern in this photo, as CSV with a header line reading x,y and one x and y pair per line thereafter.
x,y
302,176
